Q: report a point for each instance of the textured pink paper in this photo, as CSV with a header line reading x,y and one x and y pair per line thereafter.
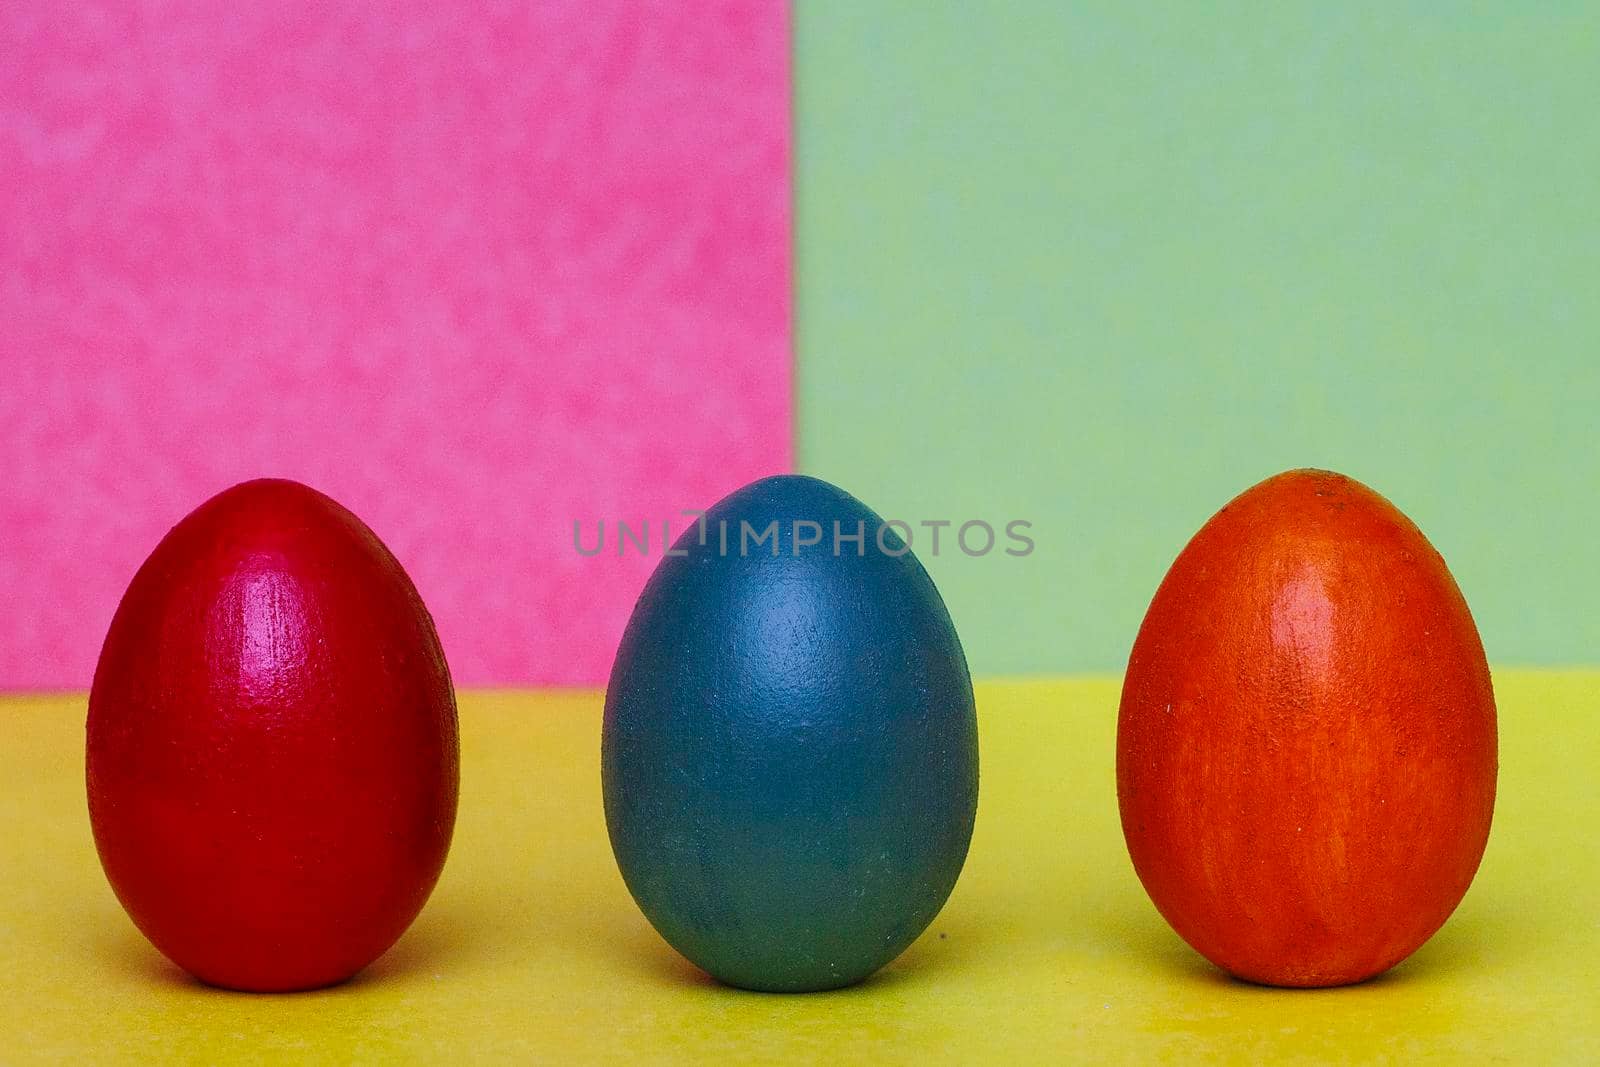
x,y
475,272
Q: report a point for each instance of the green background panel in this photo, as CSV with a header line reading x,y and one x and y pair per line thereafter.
x,y
1102,267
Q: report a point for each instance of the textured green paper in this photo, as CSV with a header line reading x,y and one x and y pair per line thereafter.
x,y
1102,267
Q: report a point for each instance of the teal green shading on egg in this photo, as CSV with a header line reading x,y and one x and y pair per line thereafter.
x,y
790,750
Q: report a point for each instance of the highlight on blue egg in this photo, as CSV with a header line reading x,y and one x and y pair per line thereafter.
x,y
790,750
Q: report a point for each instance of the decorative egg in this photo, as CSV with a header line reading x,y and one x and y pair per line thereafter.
x,y
790,748
272,750
1306,749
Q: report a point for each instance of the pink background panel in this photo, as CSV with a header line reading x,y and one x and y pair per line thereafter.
x,y
475,275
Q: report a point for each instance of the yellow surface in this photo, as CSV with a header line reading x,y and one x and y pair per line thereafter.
x,y
532,949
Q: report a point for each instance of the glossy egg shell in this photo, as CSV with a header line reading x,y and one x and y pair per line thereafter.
x,y
1306,749
790,751
272,748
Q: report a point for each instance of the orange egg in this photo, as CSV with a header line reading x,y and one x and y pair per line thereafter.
x,y
1306,749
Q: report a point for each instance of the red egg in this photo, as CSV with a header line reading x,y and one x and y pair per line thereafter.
x,y
272,748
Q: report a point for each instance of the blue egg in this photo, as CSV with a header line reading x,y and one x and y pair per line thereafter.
x,y
790,750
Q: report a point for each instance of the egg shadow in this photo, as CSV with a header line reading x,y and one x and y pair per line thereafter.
x,y
1470,942
1134,929
943,947
442,937
664,964
1484,935
433,943
121,950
